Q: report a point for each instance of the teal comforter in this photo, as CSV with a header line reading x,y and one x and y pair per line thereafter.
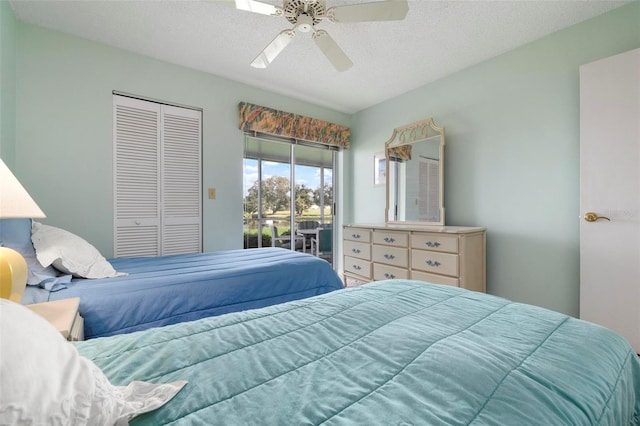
x,y
388,353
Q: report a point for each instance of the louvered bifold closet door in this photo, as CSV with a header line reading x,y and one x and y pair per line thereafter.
x,y
429,210
136,177
181,180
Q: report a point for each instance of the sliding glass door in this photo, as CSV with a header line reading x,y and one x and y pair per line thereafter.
x,y
267,193
274,170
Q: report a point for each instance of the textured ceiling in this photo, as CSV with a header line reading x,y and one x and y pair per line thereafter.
x,y
437,38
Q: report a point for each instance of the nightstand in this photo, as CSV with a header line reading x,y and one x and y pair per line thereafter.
x,y
63,315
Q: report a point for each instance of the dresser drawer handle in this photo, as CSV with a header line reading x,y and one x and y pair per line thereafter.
x,y
433,263
430,244
356,251
389,256
357,267
389,276
356,236
389,240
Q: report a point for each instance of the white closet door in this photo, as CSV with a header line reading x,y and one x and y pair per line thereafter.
x,y
181,180
157,179
136,177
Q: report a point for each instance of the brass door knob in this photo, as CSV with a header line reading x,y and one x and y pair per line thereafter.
x,y
592,217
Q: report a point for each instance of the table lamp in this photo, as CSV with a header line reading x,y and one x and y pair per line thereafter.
x,y
15,203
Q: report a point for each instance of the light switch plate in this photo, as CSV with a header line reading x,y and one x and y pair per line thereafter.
x,y
212,193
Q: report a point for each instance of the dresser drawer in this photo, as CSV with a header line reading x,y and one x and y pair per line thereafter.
x,y
391,256
356,249
357,234
435,279
386,272
434,242
438,263
397,239
357,266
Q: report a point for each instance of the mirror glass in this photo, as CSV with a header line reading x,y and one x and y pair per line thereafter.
x,y
415,174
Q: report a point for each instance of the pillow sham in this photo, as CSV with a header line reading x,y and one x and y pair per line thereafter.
x,y
62,387
16,234
69,253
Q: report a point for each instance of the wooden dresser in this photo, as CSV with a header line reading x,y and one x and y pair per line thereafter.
x,y
451,255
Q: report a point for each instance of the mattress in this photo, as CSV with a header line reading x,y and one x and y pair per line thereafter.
x,y
169,289
391,352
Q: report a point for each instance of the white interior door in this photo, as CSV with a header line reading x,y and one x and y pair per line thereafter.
x,y
610,188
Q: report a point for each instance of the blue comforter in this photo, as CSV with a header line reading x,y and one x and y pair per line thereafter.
x,y
387,353
170,289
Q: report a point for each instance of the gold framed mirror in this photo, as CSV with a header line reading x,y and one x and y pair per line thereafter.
x,y
415,174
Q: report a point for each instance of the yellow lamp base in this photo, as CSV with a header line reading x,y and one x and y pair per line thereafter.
x,y
13,274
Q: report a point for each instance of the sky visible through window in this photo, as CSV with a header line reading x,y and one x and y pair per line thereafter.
x,y
309,176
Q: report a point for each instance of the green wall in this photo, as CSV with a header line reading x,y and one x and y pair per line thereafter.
x,y
7,84
511,158
64,130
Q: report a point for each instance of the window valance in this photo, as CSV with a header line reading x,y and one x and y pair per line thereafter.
x,y
402,152
257,118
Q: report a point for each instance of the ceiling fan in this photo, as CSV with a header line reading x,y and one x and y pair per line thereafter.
x,y
305,14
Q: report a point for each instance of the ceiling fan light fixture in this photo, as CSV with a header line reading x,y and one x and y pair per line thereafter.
x,y
305,23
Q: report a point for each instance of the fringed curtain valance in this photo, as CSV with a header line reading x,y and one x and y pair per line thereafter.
x,y
402,152
257,118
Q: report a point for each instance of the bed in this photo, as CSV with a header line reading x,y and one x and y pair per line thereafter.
x,y
169,289
391,352
123,295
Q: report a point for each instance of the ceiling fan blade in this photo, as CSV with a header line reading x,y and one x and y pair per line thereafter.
x,y
332,51
258,7
389,10
273,49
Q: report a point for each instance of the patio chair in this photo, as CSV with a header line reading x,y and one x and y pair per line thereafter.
x,y
322,243
284,241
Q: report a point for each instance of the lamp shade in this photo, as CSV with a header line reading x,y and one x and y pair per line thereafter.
x,y
15,202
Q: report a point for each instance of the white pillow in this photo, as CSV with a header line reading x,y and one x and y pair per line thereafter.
x,y
69,253
46,381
